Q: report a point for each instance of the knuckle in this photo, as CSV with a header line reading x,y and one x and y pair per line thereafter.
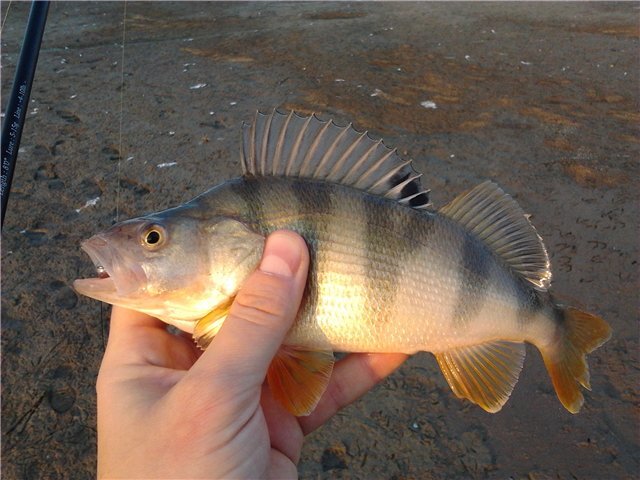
x,y
262,301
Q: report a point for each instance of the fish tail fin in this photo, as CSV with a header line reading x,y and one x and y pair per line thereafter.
x,y
578,334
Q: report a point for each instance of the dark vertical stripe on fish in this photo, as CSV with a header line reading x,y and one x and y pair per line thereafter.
x,y
312,226
310,204
383,271
313,202
247,191
475,276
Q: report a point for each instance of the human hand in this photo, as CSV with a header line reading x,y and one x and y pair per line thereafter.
x,y
166,410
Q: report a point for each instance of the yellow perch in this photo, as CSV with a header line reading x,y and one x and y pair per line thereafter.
x,y
389,273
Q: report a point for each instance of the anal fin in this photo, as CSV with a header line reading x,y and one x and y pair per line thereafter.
x,y
298,378
485,373
208,326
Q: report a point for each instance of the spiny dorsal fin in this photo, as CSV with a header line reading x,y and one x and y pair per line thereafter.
x,y
496,218
484,374
289,145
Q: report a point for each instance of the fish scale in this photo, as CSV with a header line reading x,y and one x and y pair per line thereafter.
x,y
363,284
388,273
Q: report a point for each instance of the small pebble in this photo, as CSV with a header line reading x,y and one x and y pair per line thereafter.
x,y
62,399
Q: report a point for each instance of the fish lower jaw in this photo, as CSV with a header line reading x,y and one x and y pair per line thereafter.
x,y
103,288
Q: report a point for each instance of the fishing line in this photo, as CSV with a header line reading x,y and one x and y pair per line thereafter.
x,y
6,14
124,37
103,323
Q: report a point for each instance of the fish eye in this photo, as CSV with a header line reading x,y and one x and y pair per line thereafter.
x,y
153,237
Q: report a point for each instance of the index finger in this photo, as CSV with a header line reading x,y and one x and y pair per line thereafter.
x,y
132,336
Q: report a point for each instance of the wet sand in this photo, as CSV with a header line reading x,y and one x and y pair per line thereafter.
x,y
540,98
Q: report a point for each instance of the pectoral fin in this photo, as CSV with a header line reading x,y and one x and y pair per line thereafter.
x,y
484,374
298,378
208,326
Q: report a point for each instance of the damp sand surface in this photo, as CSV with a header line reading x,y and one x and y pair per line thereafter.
x,y
540,98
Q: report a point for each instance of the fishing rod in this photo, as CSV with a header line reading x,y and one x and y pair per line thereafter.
x,y
19,98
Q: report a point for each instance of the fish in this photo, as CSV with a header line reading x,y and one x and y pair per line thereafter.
x,y
469,282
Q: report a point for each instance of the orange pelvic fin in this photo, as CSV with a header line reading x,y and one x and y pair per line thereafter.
x,y
208,326
298,378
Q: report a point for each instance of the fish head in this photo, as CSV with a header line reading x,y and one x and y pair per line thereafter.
x,y
172,265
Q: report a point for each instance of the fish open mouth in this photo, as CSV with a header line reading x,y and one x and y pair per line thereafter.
x,y
102,284
115,276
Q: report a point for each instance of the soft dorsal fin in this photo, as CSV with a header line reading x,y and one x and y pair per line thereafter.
x,y
496,218
289,145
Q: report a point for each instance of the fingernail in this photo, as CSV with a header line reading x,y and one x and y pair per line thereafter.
x,y
282,254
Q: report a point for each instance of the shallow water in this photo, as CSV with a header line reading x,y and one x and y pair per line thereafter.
x,y
543,100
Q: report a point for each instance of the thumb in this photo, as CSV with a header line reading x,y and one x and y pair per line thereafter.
x,y
262,313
